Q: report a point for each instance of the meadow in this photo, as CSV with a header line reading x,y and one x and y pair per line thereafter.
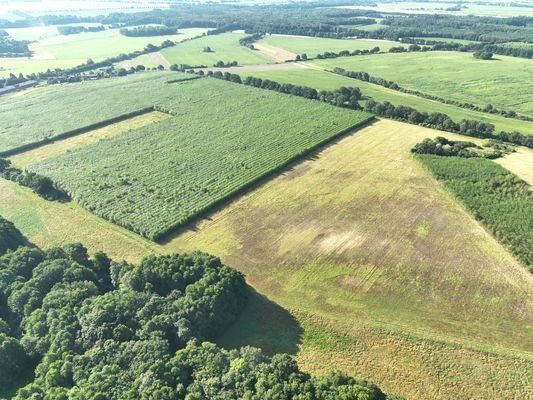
x,y
357,268
222,137
71,50
225,47
323,80
79,105
315,45
503,82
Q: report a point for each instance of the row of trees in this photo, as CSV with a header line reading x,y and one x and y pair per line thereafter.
x,y
74,327
366,77
225,64
39,184
343,97
75,29
444,122
148,30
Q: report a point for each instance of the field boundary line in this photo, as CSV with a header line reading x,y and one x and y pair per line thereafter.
x,y
169,233
79,131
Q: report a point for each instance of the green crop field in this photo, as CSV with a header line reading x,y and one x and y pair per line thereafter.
x,y
225,47
222,137
71,50
322,80
504,82
79,104
313,45
364,262
499,199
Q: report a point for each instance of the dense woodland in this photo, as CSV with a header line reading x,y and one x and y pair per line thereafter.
x,y
74,327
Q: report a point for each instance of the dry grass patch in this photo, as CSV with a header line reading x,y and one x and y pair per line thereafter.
x,y
519,163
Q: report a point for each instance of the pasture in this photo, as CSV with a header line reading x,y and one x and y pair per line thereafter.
x,y
359,264
222,137
503,82
225,47
71,50
323,80
315,45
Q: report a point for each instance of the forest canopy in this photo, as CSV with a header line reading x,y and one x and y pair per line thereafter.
x,y
75,327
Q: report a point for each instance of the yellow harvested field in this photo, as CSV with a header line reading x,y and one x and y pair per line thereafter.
x,y
520,163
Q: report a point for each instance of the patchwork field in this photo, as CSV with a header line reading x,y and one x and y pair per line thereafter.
x,y
314,45
69,144
71,50
384,275
80,104
225,47
196,158
322,80
504,82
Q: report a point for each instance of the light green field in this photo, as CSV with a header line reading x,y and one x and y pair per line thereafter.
x,y
356,250
504,82
40,32
322,80
63,108
469,8
313,45
71,50
225,48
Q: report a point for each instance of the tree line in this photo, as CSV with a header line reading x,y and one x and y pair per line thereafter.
x,y
366,77
443,122
150,30
39,184
343,97
73,30
76,327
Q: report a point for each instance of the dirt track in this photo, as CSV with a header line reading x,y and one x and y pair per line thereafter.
x,y
256,68
276,53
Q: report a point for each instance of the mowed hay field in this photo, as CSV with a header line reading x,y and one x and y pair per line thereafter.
x,y
323,80
504,82
71,50
225,47
221,137
368,267
315,45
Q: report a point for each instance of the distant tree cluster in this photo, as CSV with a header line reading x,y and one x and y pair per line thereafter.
x,y
39,184
345,53
74,327
225,64
483,55
248,41
442,146
75,29
150,30
10,47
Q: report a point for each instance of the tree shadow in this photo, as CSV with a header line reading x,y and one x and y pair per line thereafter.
x,y
263,324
